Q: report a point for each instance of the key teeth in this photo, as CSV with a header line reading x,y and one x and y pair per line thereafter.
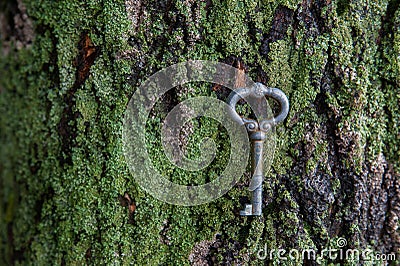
x,y
248,210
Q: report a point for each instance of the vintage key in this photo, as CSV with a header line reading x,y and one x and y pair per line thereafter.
x,y
257,132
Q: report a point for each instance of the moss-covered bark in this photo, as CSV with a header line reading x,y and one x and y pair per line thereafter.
x,y
67,71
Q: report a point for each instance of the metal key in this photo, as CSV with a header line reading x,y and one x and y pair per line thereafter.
x,y
257,132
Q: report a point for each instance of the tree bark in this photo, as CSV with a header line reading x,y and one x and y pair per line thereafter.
x,y
68,70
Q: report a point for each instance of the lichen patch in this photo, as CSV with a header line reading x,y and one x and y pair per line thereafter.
x,y
16,28
199,253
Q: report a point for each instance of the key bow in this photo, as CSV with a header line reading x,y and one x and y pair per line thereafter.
x,y
259,90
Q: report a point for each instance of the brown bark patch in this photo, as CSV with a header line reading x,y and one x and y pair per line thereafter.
x,y
126,201
87,54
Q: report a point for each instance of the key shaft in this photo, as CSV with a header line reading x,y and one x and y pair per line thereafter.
x,y
257,142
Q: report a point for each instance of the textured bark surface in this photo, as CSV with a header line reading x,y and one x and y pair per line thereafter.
x,y
68,69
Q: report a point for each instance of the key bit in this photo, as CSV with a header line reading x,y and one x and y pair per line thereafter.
x,y
257,130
